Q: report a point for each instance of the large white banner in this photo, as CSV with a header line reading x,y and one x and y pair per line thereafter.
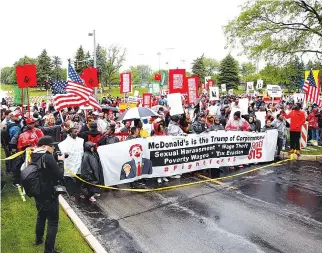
x,y
164,156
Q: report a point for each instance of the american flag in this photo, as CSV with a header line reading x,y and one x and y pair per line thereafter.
x,y
312,89
73,92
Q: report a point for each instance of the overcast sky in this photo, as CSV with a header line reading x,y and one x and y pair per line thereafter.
x,y
144,27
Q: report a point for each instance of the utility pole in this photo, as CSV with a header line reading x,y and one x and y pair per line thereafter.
x,y
94,56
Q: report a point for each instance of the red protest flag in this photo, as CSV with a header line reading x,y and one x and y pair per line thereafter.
x,y
157,77
126,82
90,77
26,75
177,81
193,86
147,100
211,83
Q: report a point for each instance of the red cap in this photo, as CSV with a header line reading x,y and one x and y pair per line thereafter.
x,y
30,121
15,114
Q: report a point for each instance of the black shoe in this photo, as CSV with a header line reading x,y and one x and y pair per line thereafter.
x,y
38,242
15,185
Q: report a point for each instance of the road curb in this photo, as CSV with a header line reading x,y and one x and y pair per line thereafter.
x,y
90,239
285,155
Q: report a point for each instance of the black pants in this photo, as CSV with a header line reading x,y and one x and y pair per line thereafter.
x,y
73,186
47,210
279,145
8,162
16,169
295,140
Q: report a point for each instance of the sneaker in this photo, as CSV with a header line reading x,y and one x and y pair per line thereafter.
x,y
176,176
159,180
165,179
82,196
241,166
231,167
97,194
92,199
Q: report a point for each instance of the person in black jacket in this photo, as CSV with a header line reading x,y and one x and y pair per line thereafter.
x,y
47,202
91,170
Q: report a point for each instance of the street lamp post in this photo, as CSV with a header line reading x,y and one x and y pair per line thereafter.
x,y
94,56
159,54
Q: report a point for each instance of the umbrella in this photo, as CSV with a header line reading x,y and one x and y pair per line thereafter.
x,y
107,108
137,113
157,108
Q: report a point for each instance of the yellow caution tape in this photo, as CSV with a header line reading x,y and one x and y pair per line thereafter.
x,y
13,156
175,186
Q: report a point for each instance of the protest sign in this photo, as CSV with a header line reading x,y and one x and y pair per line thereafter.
x,y
170,155
147,99
175,104
213,93
231,92
250,86
243,104
223,87
207,78
177,81
126,82
261,117
136,93
193,83
155,88
259,84
274,91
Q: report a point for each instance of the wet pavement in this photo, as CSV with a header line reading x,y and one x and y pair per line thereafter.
x,y
277,209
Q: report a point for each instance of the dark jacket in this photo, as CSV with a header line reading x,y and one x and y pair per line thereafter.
x,y
108,139
131,137
91,169
83,129
258,125
51,173
215,127
198,127
92,132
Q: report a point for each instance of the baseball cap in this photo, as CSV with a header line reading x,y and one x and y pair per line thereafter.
x,y
15,114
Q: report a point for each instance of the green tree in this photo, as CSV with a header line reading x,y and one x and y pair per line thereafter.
x,y
271,74
278,30
115,59
317,65
57,73
247,69
80,60
5,75
140,74
101,60
228,72
44,68
21,62
199,68
292,74
212,66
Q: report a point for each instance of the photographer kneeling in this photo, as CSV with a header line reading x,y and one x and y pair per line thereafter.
x,y
47,201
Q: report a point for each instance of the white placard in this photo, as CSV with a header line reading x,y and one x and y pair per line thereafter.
x,y
207,78
223,87
274,91
250,86
259,84
136,93
243,104
213,93
262,117
231,92
175,104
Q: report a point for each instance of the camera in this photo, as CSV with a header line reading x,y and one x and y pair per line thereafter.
x,y
58,153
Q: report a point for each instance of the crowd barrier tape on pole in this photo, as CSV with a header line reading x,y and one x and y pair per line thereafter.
x,y
304,133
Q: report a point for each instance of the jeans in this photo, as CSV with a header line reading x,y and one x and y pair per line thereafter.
x,y
47,210
295,140
315,134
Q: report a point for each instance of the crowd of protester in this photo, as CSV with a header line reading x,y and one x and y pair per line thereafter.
x,y
23,127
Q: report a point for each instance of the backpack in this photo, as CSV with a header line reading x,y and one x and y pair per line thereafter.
x,y
31,178
94,139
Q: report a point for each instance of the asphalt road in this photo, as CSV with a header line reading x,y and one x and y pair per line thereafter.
x,y
278,209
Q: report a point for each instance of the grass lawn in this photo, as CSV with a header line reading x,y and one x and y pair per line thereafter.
x,y
114,91
317,151
18,220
